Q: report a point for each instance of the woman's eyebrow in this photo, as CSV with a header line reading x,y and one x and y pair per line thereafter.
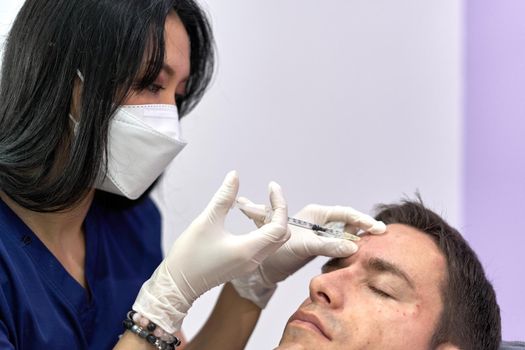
x,y
381,265
168,69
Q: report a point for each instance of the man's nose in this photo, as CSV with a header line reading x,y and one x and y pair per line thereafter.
x,y
327,289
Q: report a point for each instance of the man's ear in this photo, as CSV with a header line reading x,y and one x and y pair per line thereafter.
x,y
447,346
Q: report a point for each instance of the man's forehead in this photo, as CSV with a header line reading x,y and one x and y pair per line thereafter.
x,y
399,236
408,248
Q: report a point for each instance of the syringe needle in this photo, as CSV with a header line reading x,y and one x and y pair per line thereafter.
x,y
264,213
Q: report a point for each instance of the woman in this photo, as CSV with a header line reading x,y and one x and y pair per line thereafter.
x,y
91,94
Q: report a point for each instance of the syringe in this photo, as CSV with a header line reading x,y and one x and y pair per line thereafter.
x,y
336,231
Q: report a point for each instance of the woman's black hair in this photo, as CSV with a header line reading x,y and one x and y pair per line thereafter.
x,y
42,166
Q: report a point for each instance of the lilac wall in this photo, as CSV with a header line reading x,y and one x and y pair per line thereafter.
x,y
495,150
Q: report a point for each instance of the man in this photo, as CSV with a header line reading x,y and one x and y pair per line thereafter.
x,y
419,286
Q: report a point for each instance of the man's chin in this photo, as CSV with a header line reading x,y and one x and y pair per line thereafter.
x,y
299,338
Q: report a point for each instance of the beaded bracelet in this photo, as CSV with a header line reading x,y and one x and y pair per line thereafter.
x,y
142,321
149,331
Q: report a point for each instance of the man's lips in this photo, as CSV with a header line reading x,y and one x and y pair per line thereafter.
x,y
311,321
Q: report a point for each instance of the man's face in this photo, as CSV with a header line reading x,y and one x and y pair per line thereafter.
x,y
386,296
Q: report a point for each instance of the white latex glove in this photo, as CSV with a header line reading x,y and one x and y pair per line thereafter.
x,y
206,255
302,247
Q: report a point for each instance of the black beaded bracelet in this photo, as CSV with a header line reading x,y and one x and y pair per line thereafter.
x,y
145,334
143,322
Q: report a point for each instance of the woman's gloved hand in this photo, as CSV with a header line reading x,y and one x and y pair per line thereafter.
x,y
302,247
206,255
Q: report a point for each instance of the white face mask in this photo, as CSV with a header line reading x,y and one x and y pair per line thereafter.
x,y
139,150
143,140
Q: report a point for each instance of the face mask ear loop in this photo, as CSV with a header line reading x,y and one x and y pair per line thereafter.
x,y
80,75
73,119
75,123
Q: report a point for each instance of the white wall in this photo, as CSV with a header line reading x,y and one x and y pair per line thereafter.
x,y
348,102
342,102
8,10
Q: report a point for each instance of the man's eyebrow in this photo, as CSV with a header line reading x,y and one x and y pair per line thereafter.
x,y
381,265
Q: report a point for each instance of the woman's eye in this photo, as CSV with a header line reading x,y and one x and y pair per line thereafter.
x,y
154,88
380,293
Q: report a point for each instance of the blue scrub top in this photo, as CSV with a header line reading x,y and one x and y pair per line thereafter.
x,y
43,307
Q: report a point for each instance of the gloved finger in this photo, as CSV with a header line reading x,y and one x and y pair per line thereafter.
x,y
327,246
257,215
268,238
258,245
223,199
279,206
353,217
276,231
352,229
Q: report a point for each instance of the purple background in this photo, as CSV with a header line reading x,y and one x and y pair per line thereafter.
x,y
495,150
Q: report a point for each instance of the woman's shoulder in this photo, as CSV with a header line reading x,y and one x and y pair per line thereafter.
x,y
14,234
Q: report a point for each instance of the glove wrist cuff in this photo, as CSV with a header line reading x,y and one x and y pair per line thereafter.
x,y
161,301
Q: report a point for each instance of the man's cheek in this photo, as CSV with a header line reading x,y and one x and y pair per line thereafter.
x,y
361,327
383,326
